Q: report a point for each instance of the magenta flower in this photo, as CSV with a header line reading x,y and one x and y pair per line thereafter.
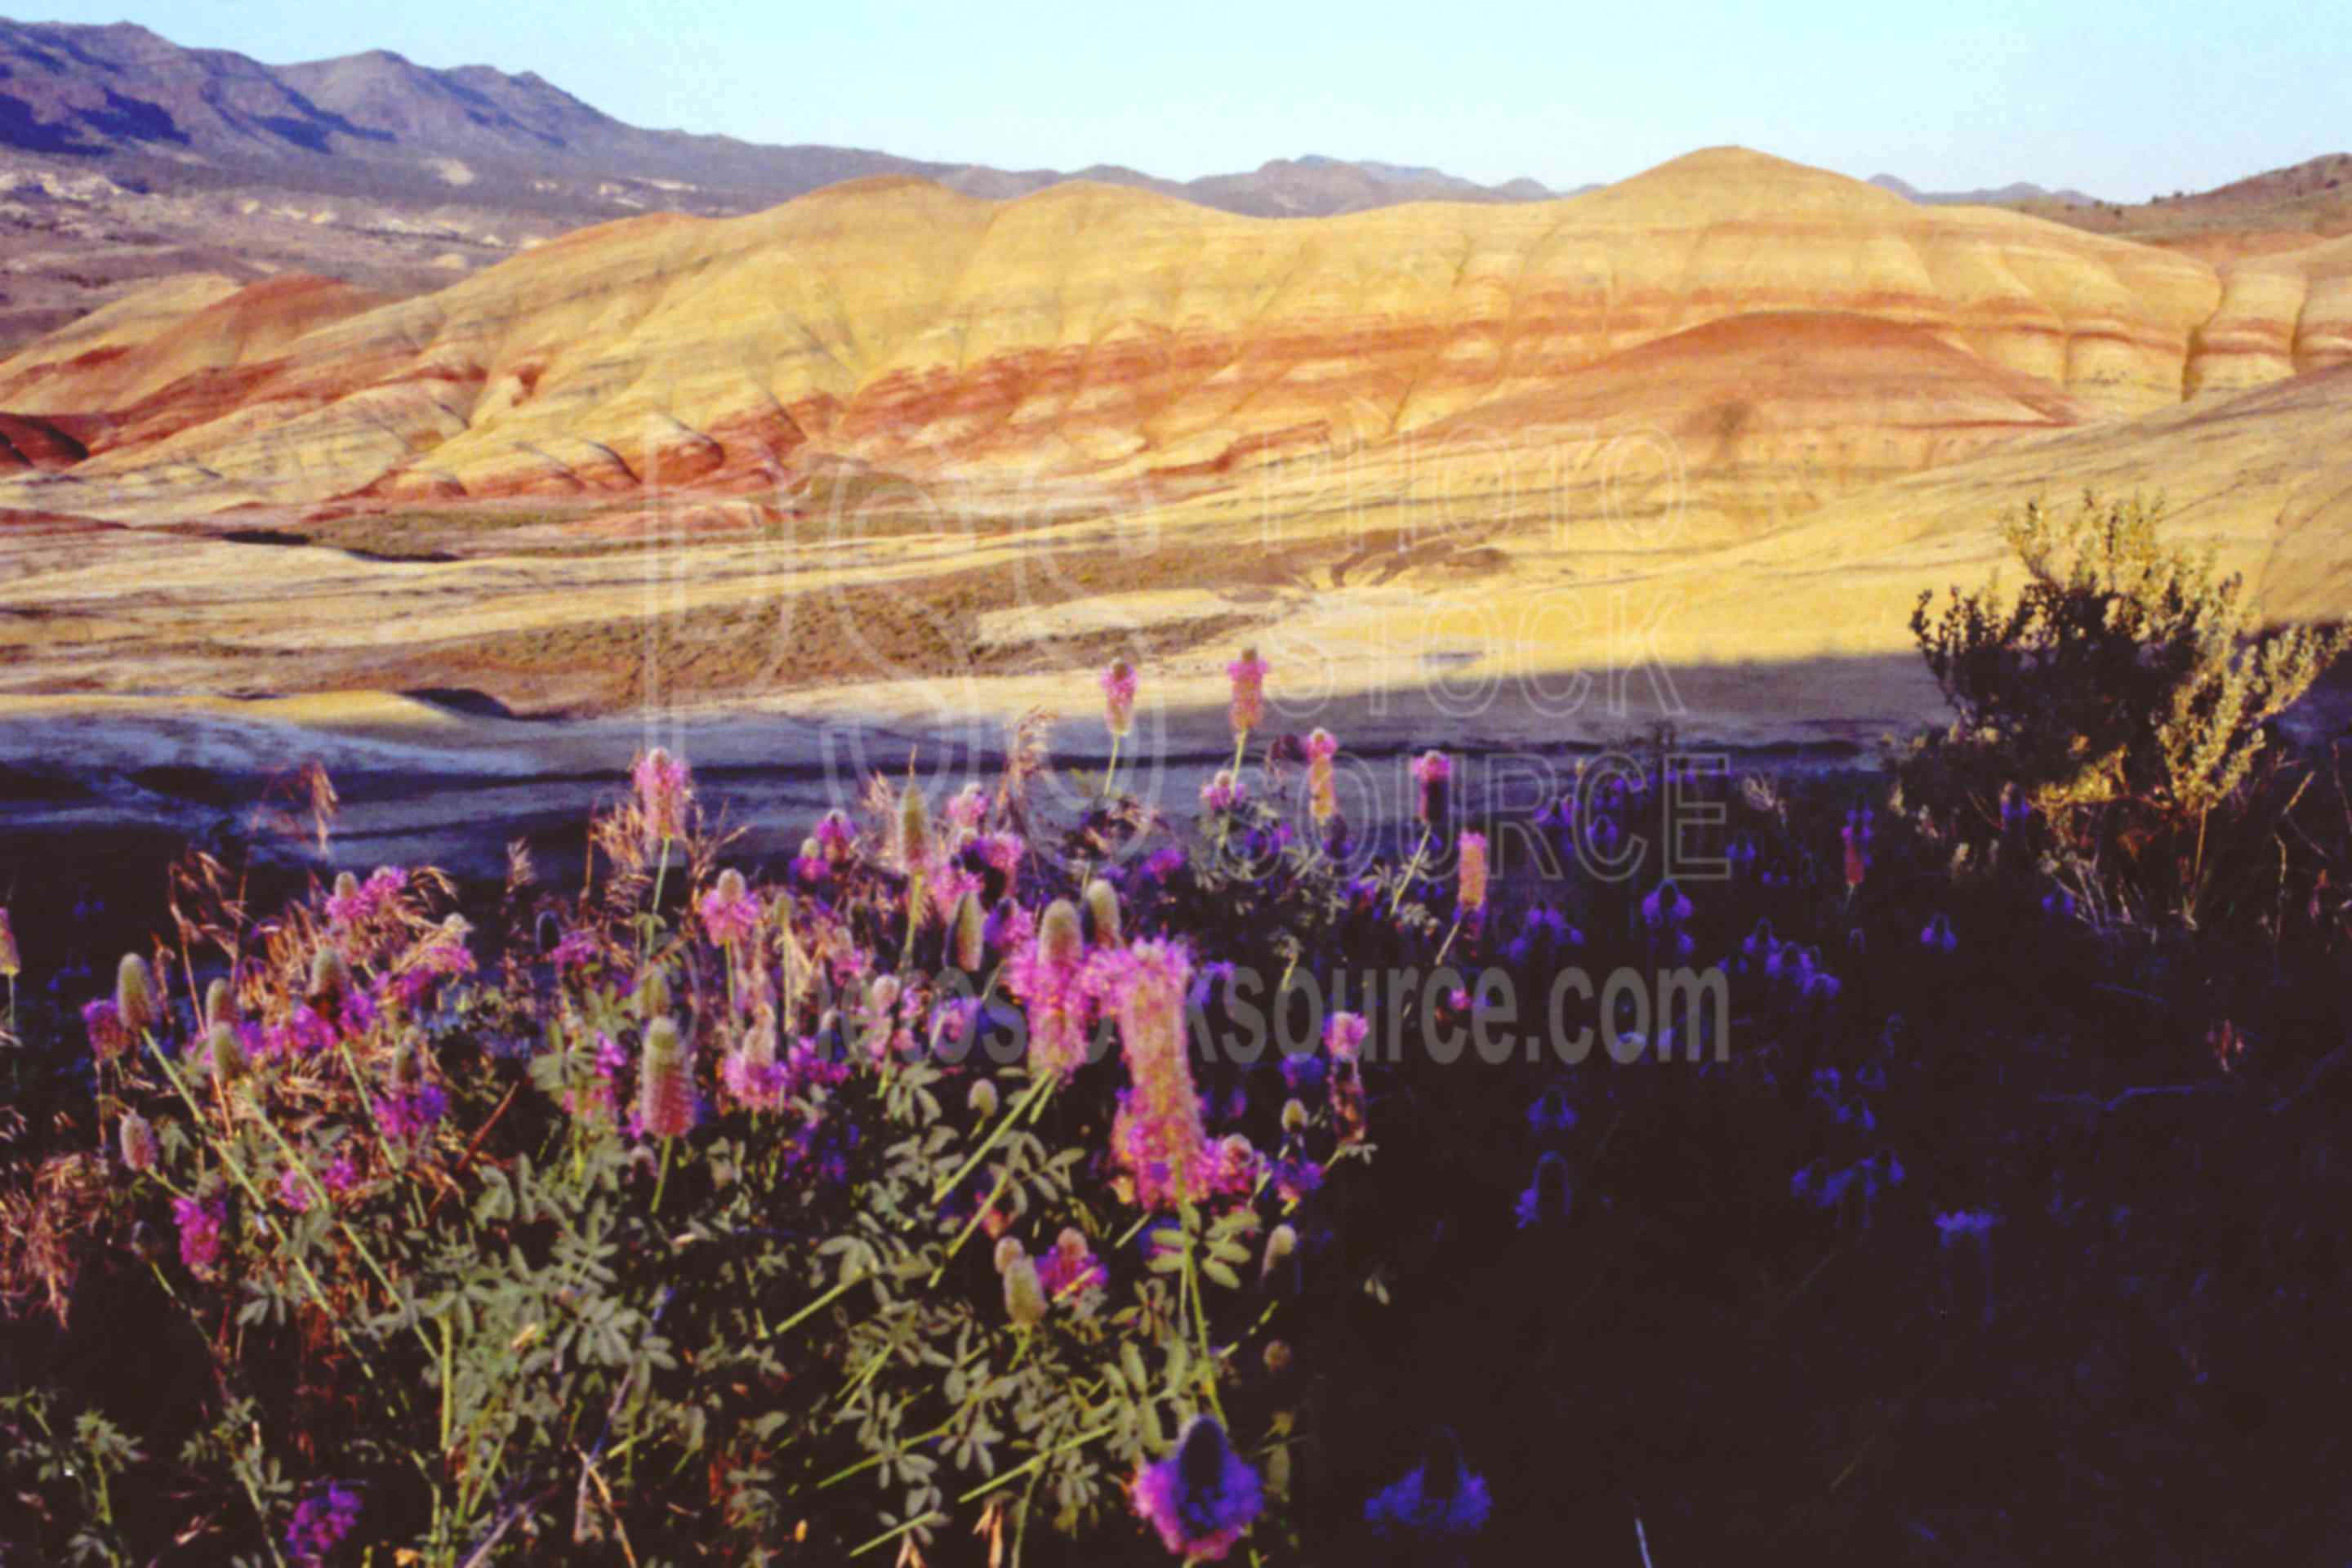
x,y
1344,1035
139,1149
1202,1498
341,1176
836,836
1003,851
1434,773
665,787
729,913
966,807
1049,974
1224,792
108,1037
1233,1167
1472,895
358,903
600,1100
1323,794
293,1191
1118,685
666,1098
1248,675
301,1033
1071,1269
750,1074
200,1221
1157,1136
577,948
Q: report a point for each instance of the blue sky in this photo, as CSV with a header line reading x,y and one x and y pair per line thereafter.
x,y
2124,101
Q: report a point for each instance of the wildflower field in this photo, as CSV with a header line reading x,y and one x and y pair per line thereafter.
x,y
1943,1163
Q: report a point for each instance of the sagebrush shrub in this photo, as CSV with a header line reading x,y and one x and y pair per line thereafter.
x,y
2124,694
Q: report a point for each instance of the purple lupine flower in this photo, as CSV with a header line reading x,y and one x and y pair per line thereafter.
x,y
1295,1177
1302,1069
1439,1501
1547,1195
1666,906
293,1191
1202,1498
1551,1112
2016,811
200,1221
1965,1222
1937,935
320,1524
407,1115
1545,929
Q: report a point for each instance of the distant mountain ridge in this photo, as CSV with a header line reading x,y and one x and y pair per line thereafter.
x,y
122,94
2015,192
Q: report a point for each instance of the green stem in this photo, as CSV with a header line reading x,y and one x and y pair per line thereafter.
x,y
1200,1324
1226,819
1448,946
1036,1089
662,1180
969,1227
652,910
917,1522
1412,869
236,1168
1027,1464
319,1191
1110,772
871,1460
814,1307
